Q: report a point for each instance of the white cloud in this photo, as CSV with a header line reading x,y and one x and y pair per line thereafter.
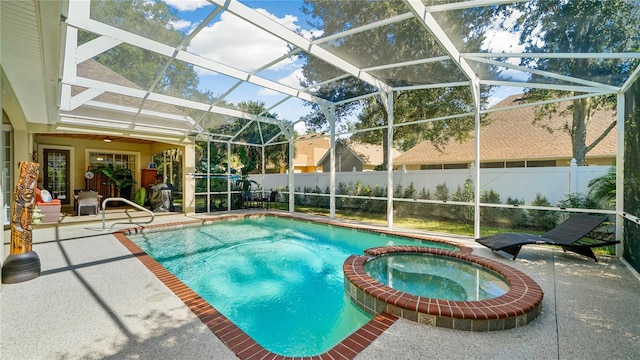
x,y
292,80
313,34
289,21
181,24
493,100
502,41
187,5
237,43
514,75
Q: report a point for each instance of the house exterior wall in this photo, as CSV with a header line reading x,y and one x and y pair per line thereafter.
x,y
347,160
308,151
304,169
79,149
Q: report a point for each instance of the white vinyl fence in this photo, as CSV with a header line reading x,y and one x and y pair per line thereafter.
x,y
554,183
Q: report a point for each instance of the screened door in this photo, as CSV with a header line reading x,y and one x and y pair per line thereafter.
x,y
56,174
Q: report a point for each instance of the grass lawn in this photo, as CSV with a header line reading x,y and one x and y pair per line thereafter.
x,y
449,227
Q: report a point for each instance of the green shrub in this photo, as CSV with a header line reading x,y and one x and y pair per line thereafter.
x,y
442,193
578,201
541,219
315,201
490,214
517,218
464,194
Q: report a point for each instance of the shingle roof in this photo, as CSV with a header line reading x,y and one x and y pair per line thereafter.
x,y
512,136
370,154
94,70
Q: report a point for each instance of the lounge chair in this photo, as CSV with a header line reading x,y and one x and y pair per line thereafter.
x,y
570,235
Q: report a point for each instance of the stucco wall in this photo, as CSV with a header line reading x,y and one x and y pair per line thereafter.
x,y
79,148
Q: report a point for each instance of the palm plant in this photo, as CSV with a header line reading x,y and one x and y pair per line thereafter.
x,y
118,177
603,188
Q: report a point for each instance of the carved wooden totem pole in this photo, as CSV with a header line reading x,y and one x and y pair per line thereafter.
x,y
22,264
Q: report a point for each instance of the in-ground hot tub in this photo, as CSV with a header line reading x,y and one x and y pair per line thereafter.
x,y
438,277
467,292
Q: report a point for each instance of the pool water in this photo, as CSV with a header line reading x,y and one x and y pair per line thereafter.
x,y
279,280
437,277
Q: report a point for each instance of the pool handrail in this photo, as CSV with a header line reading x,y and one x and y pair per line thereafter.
x,y
104,206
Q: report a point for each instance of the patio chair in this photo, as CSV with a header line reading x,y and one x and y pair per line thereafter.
x,y
575,234
88,200
271,199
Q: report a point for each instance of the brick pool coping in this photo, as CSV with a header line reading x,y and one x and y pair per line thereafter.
x,y
520,305
241,344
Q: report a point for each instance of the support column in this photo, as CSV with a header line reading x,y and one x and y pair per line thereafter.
x,y
387,101
475,89
228,176
264,163
330,115
189,182
22,148
290,134
620,174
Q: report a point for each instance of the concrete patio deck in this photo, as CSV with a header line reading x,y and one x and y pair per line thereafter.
x,y
95,300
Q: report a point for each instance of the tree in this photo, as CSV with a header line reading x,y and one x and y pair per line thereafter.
x,y
255,133
393,43
149,19
589,26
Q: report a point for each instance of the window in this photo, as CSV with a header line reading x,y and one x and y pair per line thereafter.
x,y
7,173
541,163
515,164
455,166
492,165
118,161
431,167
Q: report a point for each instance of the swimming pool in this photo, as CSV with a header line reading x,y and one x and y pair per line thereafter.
x,y
278,279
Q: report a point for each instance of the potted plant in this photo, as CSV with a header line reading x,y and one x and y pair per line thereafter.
x,y
119,178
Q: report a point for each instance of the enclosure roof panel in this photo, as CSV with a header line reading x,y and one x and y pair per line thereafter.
x,y
186,66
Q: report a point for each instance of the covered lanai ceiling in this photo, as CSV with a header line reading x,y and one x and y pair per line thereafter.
x,y
256,51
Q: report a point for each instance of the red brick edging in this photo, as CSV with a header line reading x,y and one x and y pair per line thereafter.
x,y
520,305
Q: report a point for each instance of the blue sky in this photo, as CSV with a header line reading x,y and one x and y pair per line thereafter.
x,y
219,41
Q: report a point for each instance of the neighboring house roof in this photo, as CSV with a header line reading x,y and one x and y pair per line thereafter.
x,y
310,148
511,135
369,154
